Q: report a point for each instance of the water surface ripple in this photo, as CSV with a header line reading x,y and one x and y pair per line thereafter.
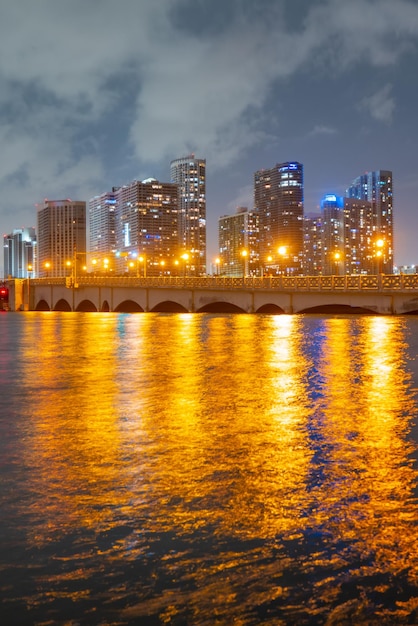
x,y
208,469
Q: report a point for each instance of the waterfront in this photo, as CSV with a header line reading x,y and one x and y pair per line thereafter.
x,y
208,469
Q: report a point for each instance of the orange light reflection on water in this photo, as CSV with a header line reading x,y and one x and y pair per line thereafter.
x,y
238,428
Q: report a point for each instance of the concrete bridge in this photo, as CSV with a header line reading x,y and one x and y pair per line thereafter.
x,y
382,294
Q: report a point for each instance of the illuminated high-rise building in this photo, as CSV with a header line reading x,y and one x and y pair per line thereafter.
x,y
146,227
312,254
189,174
347,236
238,243
102,238
278,198
61,233
19,249
377,188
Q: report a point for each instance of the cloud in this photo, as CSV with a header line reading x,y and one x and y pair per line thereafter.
x,y
165,78
381,104
322,130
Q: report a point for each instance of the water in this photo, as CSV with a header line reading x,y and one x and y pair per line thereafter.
x,y
208,469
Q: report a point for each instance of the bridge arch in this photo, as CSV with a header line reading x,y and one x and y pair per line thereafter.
x,y
338,309
220,307
42,306
129,306
86,306
105,306
270,309
62,305
169,306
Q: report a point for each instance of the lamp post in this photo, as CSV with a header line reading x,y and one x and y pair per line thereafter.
x,y
47,266
244,255
217,262
143,259
30,268
281,251
185,258
337,257
379,254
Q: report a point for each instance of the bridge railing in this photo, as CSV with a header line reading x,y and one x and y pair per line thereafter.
x,y
358,282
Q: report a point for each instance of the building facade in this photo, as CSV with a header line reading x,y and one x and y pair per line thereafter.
x,y
312,253
61,233
102,227
189,174
19,249
146,228
377,188
278,199
238,243
347,236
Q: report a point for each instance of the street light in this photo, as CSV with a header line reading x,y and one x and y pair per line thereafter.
x,y
379,254
282,252
185,258
244,255
30,268
143,259
217,262
47,266
337,257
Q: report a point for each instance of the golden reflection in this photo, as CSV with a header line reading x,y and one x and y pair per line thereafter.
x,y
364,494
232,405
75,437
260,445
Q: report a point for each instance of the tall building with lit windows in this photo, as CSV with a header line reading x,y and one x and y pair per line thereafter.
x,y
377,188
238,243
312,254
278,199
146,227
102,217
189,174
347,236
19,249
61,234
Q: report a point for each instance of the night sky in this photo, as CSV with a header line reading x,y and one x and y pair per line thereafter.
x,y
97,93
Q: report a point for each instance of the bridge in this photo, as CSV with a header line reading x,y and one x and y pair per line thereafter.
x,y
383,294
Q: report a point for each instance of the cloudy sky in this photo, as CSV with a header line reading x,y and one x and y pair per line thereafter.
x,y
96,93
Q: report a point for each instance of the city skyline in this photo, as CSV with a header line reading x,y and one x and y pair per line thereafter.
x,y
243,86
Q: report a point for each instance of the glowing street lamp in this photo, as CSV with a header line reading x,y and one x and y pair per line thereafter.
x,y
142,259
185,258
47,266
244,255
337,257
282,252
380,243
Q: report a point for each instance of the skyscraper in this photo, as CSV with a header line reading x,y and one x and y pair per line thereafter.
x,y
61,233
102,238
312,253
189,174
146,226
19,248
278,198
377,187
347,233
238,243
